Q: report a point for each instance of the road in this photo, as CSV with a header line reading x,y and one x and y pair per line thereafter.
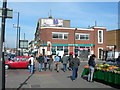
x,y
21,78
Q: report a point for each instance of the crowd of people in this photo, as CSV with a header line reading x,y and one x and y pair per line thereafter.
x,y
69,63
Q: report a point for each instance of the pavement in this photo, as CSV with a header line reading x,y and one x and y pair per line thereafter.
x,y
21,78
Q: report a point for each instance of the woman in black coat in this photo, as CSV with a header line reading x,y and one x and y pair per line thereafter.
x,y
91,64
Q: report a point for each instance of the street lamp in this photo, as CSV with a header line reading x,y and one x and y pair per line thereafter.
x,y
43,50
18,33
18,38
2,42
74,39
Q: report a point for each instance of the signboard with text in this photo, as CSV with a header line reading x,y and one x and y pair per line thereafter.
x,y
51,22
23,44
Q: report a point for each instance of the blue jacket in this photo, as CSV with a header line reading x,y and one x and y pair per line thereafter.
x,y
57,59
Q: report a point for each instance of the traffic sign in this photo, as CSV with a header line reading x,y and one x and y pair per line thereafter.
x,y
9,12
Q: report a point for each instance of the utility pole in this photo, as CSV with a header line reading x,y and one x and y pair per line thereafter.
x,y
18,29
24,36
95,23
2,42
18,35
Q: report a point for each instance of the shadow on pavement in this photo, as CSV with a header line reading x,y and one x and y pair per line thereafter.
x,y
24,82
70,77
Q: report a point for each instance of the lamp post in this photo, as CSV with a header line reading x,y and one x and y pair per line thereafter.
x,y
2,42
18,34
74,39
18,39
114,51
43,50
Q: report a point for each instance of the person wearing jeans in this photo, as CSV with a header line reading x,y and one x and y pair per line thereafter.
x,y
45,62
57,60
90,75
74,65
40,67
64,61
31,64
40,60
91,64
50,63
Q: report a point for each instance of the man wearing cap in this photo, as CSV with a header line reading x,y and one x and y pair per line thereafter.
x,y
75,63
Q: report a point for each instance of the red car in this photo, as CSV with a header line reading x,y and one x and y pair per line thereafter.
x,y
18,62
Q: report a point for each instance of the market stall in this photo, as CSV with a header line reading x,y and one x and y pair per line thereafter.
x,y
107,73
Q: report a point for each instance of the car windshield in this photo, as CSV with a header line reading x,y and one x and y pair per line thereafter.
x,y
24,59
17,59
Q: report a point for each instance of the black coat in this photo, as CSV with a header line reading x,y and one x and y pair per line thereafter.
x,y
91,62
75,62
41,59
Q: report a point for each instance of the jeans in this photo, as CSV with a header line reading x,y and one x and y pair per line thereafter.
x,y
50,66
40,66
74,73
64,67
57,66
90,75
31,68
45,66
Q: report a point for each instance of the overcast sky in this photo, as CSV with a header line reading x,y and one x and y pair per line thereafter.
x,y
81,14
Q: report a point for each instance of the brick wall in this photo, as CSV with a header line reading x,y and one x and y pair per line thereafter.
x,y
46,35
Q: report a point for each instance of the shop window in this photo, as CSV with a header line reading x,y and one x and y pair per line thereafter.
x,y
66,50
59,48
53,50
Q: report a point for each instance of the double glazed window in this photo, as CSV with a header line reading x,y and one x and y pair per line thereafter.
x,y
57,35
82,36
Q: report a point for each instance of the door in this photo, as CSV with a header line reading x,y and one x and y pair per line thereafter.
x,y
23,62
60,51
15,63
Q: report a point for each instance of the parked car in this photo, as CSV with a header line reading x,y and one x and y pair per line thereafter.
x,y
18,62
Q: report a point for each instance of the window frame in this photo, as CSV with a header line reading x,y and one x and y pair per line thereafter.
x,y
100,42
85,36
60,33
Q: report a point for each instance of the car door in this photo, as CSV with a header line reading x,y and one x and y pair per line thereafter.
x,y
24,62
15,63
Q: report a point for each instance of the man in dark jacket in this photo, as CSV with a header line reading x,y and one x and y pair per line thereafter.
x,y
74,65
91,64
41,61
64,61
70,57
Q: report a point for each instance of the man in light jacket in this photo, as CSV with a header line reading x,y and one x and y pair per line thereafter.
x,y
57,61
32,64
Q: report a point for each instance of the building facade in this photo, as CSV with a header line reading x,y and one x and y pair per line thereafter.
x,y
63,40
113,37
